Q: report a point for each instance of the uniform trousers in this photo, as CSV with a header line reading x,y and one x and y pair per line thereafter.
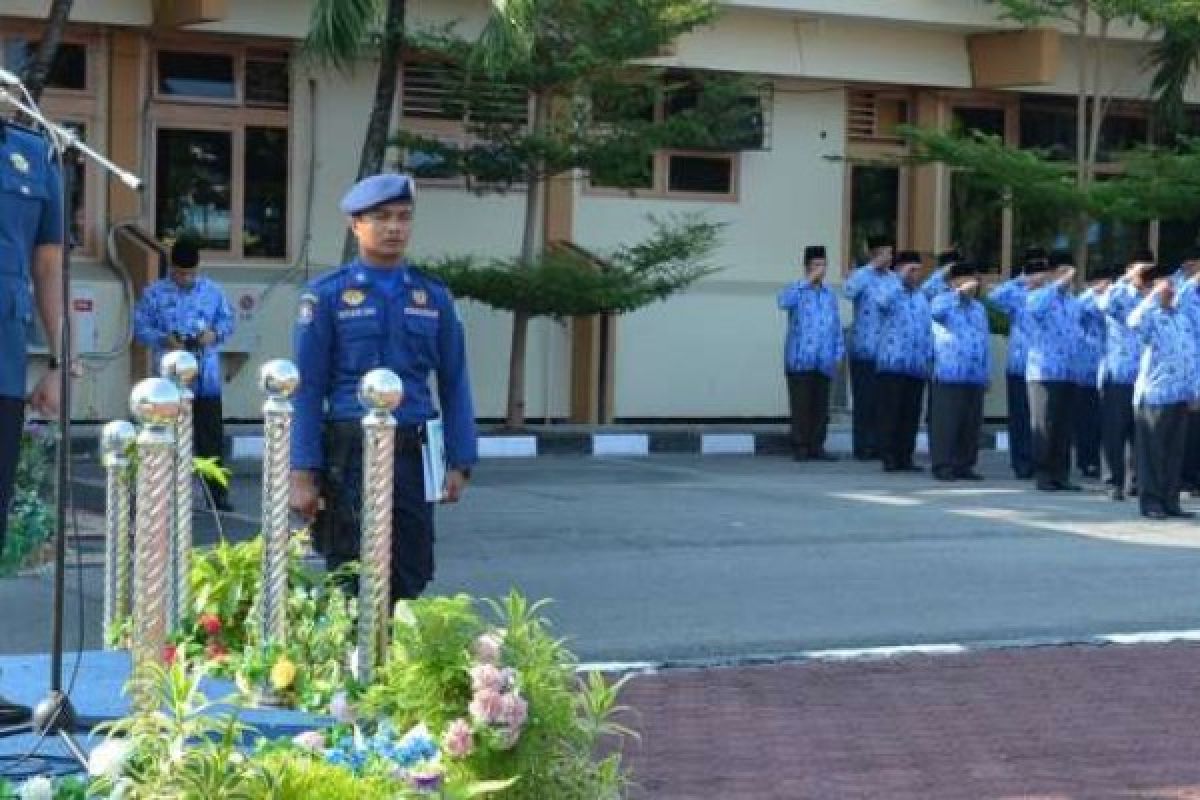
x,y
808,401
956,419
865,419
1050,417
209,436
1160,443
1191,459
1020,455
12,423
1117,421
1087,429
899,408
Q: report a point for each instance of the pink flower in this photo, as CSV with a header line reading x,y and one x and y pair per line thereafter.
x,y
457,740
486,676
486,705
211,623
507,737
487,648
340,709
514,710
310,740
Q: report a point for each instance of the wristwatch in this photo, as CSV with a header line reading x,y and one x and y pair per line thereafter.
x,y
54,363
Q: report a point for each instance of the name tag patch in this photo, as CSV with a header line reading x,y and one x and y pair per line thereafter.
x,y
428,313
356,313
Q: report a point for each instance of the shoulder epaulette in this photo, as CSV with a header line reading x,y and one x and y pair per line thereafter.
x,y
327,279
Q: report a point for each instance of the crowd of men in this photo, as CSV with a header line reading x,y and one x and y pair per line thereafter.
x,y
1107,368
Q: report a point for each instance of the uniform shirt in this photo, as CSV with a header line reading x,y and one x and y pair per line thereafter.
x,y
349,324
1168,372
814,337
936,283
1089,349
1009,298
1053,329
1188,300
861,288
167,308
960,340
30,216
906,331
1122,347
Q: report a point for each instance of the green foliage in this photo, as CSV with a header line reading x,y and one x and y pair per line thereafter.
x,y
210,469
30,521
342,31
565,283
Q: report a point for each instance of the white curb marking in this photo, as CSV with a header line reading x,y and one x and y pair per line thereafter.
x,y
508,447
727,444
620,444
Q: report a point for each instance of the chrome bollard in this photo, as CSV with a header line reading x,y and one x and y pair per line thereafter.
x,y
115,440
180,368
155,403
380,391
278,378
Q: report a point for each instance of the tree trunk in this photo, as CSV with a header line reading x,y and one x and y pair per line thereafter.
x,y
375,144
1082,139
37,71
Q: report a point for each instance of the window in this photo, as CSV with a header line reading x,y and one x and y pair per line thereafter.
x,y
1049,124
875,207
222,148
69,70
977,215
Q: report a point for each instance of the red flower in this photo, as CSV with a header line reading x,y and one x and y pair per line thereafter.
x,y
216,651
211,623
169,654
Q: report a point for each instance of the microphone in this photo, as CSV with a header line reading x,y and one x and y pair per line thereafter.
x,y
8,78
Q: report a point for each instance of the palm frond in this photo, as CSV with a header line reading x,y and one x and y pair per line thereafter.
x,y
340,31
1174,58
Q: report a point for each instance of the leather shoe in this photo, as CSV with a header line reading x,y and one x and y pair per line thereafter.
x,y
968,475
1116,495
1179,513
1067,486
943,475
911,468
889,467
12,713
824,456
1047,486
1023,475
1154,513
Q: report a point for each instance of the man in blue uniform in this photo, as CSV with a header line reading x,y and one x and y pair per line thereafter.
x,y
860,289
903,359
378,311
961,370
812,352
1187,288
31,236
1086,431
1009,299
1167,383
187,311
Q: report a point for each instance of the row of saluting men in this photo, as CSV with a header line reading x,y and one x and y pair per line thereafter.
x,y
1114,366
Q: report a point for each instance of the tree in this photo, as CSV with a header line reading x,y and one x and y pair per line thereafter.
x,y
37,69
587,111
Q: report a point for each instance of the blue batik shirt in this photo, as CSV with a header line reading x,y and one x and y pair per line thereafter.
x,y
167,309
814,336
1168,372
1053,329
1009,299
960,340
905,332
1188,300
1089,350
860,288
936,283
1122,347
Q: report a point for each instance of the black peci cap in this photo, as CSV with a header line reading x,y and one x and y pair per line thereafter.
x,y
1061,258
1143,256
813,252
185,253
876,242
948,257
907,257
964,269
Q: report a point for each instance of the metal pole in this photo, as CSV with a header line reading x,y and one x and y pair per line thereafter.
x,y
115,440
155,402
380,392
180,368
278,378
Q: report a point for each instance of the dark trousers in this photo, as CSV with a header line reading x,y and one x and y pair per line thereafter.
x,y
899,408
1087,429
808,400
956,418
1191,459
1160,443
1118,425
865,422
1050,417
209,431
1020,447
12,422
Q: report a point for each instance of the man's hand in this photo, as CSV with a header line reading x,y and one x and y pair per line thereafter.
x,y
968,287
174,342
456,484
305,496
207,338
46,398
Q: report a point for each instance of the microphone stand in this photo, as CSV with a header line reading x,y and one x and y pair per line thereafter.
x,y
54,714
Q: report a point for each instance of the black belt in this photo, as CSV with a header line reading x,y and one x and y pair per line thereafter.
x,y
409,438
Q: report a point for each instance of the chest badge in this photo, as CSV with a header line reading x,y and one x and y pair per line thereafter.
x,y
353,297
420,297
19,162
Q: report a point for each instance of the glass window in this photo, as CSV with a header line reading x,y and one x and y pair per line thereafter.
x,y
874,205
268,82
1049,124
67,71
1120,134
700,174
1175,238
78,176
625,175
264,221
980,120
204,75
193,185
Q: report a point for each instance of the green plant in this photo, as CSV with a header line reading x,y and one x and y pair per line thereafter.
x,y
30,521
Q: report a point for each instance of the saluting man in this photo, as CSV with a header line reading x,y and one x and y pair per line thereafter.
x,y
1187,289
1009,298
812,352
1089,352
379,311
860,289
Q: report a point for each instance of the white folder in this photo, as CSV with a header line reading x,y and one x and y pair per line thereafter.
x,y
433,457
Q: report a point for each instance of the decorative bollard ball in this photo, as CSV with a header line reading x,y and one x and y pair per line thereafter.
x,y
115,440
179,367
380,390
278,377
155,401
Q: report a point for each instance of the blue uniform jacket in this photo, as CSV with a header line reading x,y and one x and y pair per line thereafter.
x,y
1053,330
1089,349
30,216
350,323
166,308
1168,371
906,331
814,337
1009,299
1122,347
960,340
860,289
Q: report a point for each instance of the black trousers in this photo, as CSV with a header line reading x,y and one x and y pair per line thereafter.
x,y
1050,417
1020,447
808,401
12,423
899,407
1087,429
956,419
1160,443
1191,459
209,431
865,420
1117,422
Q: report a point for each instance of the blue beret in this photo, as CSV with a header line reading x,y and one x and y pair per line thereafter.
x,y
377,190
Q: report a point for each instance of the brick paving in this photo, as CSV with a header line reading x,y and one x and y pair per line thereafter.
x,y
1054,723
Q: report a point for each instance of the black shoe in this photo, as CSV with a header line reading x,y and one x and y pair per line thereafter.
x,y
824,456
911,468
1133,491
1023,475
890,467
1090,472
1116,495
968,475
943,475
1179,513
1067,486
799,457
1047,486
12,713
1155,513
